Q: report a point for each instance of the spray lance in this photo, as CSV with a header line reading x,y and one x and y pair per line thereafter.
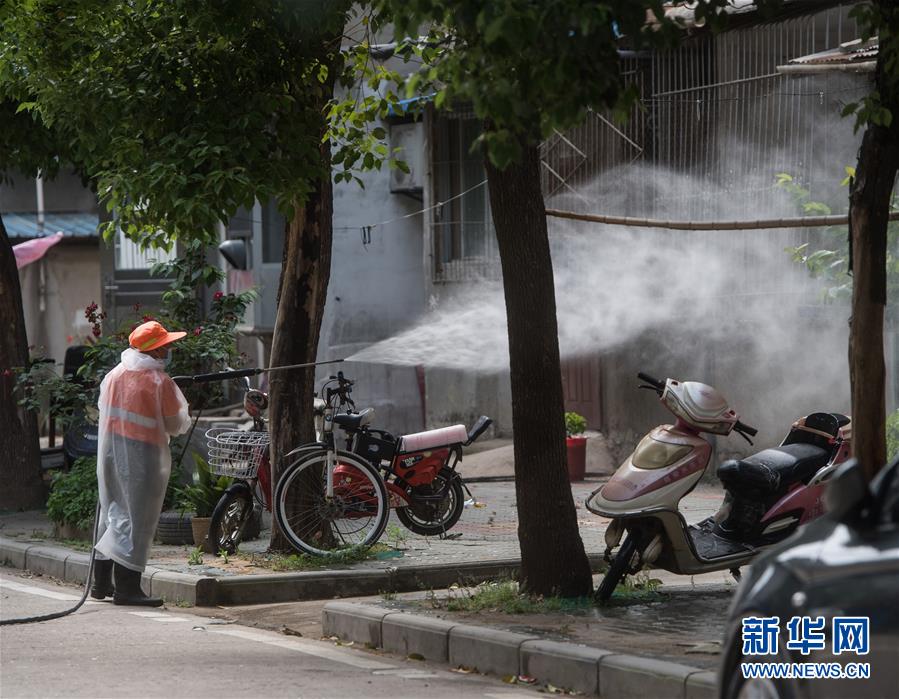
x,y
181,381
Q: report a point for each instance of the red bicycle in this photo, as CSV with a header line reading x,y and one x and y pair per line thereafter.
x,y
353,513
345,497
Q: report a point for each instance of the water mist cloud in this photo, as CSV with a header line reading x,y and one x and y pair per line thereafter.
x,y
614,284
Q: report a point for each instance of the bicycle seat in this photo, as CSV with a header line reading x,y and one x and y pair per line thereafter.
x,y
351,422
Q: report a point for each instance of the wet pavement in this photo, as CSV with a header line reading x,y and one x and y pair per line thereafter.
x,y
683,621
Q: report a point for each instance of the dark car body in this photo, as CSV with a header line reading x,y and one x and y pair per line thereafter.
x,y
843,564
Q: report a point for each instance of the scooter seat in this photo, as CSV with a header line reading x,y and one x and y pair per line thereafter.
x,y
772,469
432,439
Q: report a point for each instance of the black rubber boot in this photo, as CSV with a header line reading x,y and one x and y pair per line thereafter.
x,y
128,590
102,587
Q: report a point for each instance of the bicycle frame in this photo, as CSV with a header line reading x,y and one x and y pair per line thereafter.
x,y
341,393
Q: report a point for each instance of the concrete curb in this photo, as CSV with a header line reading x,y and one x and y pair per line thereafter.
x,y
581,668
208,591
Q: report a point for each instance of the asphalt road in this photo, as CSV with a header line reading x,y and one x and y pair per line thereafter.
x,y
108,651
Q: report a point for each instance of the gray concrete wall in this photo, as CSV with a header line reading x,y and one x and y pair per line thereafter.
x,y
64,193
460,397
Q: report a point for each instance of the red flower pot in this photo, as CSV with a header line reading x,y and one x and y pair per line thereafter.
x,y
577,458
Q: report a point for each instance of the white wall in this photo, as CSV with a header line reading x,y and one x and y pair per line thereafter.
x,y
55,291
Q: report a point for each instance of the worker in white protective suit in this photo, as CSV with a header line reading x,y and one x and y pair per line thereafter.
x,y
140,408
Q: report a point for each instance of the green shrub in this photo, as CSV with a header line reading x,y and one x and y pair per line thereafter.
x,y
73,494
892,435
575,424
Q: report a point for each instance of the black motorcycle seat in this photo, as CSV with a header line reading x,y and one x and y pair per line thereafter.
x,y
771,469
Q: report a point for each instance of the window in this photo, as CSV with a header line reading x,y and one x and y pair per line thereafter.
x,y
462,226
264,222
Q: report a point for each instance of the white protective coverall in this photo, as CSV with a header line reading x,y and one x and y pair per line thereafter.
x,y
140,408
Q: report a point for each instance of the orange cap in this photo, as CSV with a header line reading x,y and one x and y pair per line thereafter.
x,y
151,335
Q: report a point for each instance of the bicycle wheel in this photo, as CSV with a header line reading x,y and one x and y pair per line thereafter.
x,y
230,516
429,517
355,515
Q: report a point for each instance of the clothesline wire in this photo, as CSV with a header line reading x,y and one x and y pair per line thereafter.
x,y
414,213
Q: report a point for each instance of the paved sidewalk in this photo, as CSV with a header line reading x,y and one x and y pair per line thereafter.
x,y
664,646
487,532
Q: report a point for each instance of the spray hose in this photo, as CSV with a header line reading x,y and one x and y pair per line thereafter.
x,y
241,373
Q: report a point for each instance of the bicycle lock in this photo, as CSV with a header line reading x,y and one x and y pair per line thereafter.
x,y
197,378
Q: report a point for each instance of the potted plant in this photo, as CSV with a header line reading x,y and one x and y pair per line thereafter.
x,y
575,425
200,497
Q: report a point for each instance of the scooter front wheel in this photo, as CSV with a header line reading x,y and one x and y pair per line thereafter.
x,y
617,569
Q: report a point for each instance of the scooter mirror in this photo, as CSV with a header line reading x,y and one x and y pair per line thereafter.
x,y
847,493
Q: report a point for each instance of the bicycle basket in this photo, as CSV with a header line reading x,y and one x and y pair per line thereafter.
x,y
236,453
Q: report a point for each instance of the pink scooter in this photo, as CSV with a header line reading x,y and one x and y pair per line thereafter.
x,y
767,495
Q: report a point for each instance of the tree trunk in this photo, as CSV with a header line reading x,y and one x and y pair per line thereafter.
x,y
305,272
20,466
553,560
869,207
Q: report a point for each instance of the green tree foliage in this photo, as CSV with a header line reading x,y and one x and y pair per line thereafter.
x,y
892,433
878,20
827,256
184,111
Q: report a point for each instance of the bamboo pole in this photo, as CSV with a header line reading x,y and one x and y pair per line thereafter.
x,y
759,224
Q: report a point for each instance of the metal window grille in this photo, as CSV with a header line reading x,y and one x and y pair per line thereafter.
x,y
715,109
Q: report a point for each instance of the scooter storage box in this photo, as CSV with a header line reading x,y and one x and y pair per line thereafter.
x,y
375,445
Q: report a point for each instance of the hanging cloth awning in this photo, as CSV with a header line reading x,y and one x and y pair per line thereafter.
x,y
33,250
